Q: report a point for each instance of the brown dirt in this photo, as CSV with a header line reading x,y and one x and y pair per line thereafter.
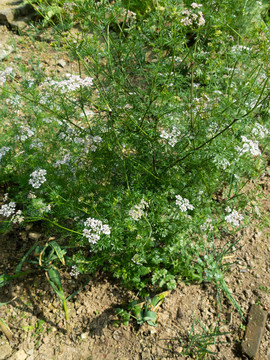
x,y
36,319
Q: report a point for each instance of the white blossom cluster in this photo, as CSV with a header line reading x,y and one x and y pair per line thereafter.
x,y
67,6
37,178
74,272
18,217
64,161
193,18
184,204
90,142
4,74
233,217
173,137
238,48
138,211
93,229
3,151
222,162
260,130
207,226
25,133
36,144
8,210
41,206
14,100
72,83
31,195
248,146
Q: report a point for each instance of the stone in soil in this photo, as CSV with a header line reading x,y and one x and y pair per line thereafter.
x,y
15,14
254,332
5,351
5,50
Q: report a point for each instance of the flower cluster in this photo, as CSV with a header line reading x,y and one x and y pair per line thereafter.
x,y
221,162
93,229
207,226
89,142
248,146
64,161
14,100
260,130
3,151
67,6
238,48
18,217
36,144
138,211
26,133
233,217
184,204
193,18
74,271
37,178
8,210
172,137
4,74
72,83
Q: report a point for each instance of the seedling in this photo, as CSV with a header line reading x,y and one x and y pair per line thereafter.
x,y
143,312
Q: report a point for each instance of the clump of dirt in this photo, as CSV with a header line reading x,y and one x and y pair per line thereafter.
x,y
188,318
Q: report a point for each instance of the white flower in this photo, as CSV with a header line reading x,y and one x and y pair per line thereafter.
x,y
25,132
18,217
8,209
73,82
186,21
207,226
234,217
31,195
3,151
249,146
260,130
173,137
183,203
74,271
238,48
195,5
138,211
37,178
4,74
201,21
93,229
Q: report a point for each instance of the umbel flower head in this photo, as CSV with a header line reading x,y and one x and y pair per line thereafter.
x,y
184,204
93,229
37,178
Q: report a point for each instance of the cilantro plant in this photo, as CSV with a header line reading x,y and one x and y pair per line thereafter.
x,y
140,159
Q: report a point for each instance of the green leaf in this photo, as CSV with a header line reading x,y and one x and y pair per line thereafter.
x,y
19,266
60,253
5,279
149,315
55,281
28,328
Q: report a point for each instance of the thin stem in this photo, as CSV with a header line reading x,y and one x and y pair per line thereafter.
x,y
219,133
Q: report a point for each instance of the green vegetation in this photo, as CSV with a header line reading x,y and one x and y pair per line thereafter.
x,y
138,163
